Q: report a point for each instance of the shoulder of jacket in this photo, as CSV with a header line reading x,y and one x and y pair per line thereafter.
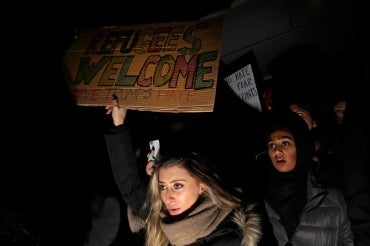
x,y
336,196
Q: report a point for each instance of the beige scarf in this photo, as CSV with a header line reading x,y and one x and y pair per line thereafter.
x,y
199,223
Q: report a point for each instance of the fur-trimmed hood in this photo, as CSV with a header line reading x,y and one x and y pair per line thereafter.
x,y
250,224
244,222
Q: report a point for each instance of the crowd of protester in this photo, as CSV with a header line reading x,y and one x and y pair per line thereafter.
x,y
77,197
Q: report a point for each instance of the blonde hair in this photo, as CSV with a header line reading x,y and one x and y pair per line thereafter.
x,y
200,169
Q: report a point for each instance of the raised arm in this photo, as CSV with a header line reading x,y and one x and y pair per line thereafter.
x,y
123,160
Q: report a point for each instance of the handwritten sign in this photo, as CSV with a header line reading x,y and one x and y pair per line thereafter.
x,y
169,67
244,85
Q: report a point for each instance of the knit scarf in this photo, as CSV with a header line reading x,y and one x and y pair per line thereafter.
x,y
200,222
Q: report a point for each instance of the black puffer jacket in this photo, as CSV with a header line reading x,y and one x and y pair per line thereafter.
x,y
323,222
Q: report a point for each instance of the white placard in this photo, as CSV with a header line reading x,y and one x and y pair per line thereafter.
x,y
242,82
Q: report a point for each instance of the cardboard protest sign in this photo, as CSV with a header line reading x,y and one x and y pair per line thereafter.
x,y
244,75
169,67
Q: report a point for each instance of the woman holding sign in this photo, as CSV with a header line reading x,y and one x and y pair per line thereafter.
x,y
185,203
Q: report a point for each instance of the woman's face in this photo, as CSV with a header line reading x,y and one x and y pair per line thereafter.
x,y
179,191
305,114
281,149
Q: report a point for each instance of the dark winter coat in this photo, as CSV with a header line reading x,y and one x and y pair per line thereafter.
x,y
323,222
